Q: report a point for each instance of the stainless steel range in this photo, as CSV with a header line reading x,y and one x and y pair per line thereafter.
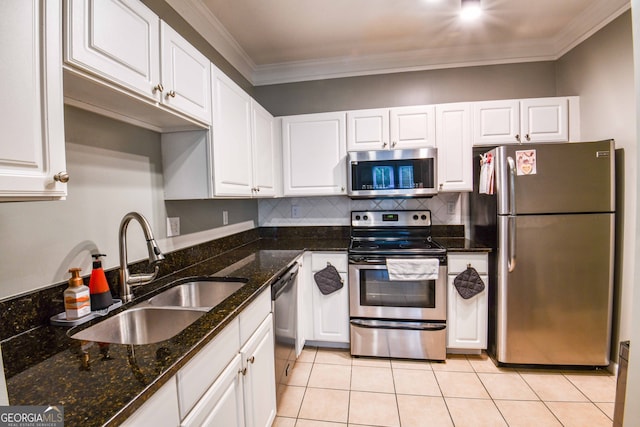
x,y
397,286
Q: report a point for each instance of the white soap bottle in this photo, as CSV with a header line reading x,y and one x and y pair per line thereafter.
x,y
77,300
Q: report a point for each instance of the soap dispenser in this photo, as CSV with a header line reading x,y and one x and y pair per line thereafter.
x,y
98,286
76,297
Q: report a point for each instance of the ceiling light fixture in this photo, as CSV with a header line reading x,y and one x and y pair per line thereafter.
x,y
470,10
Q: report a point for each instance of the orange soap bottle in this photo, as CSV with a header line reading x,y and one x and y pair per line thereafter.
x,y
76,297
98,286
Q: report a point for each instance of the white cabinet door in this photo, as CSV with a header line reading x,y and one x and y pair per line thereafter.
x,y
32,150
330,312
185,75
413,127
232,166
467,319
314,153
222,404
368,129
496,122
544,119
455,151
259,377
116,39
160,410
264,151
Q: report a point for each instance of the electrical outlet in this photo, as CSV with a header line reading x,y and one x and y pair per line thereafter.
x,y
225,217
173,226
295,211
451,208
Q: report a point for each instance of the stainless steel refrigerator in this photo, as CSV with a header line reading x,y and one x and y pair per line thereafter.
x,y
550,221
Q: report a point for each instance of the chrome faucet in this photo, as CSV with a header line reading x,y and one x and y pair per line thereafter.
x,y
155,256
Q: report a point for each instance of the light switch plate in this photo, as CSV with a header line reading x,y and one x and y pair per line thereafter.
x,y
173,226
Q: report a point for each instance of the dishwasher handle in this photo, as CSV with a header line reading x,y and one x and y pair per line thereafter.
x,y
284,282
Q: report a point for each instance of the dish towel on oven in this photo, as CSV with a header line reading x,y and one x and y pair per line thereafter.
x,y
413,268
328,280
468,283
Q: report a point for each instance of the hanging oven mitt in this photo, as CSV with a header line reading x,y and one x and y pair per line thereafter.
x,y
468,283
328,279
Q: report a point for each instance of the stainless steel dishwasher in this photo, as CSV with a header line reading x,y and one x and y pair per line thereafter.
x,y
284,296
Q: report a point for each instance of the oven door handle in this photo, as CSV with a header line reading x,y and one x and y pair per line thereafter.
x,y
394,324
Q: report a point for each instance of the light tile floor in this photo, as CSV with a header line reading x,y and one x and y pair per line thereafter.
x,y
329,388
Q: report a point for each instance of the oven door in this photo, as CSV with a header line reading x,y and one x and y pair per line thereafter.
x,y
372,295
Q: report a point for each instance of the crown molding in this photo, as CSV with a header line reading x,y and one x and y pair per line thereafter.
x,y
579,29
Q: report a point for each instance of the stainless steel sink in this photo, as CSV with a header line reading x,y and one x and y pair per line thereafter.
x,y
140,325
206,293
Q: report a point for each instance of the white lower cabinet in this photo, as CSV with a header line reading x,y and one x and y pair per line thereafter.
x,y
330,313
160,410
467,319
259,377
223,403
224,384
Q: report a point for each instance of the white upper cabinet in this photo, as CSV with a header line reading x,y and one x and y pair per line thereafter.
x,y
368,129
544,119
265,151
232,164
391,128
496,122
455,151
413,127
32,151
115,39
523,121
238,157
314,154
186,78
123,62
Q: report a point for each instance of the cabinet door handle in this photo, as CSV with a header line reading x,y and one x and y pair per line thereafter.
x,y
384,145
518,137
252,359
243,371
527,137
393,144
62,177
158,88
171,93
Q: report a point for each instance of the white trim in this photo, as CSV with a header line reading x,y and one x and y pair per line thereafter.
x,y
579,29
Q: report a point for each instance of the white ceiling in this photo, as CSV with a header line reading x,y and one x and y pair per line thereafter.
x,y
278,41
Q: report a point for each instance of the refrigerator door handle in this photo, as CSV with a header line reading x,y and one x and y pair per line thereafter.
x,y
511,263
512,185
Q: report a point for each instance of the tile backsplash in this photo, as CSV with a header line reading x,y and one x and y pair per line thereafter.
x,y
446,209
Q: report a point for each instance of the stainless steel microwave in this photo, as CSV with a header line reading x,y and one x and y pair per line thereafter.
x,y
392,173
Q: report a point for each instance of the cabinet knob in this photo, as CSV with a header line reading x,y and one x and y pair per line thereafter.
x,y
158,88
441,186
518,137
527,137
61,177
393,144
171,93
252,359
258,189
342,189
384,145
243,371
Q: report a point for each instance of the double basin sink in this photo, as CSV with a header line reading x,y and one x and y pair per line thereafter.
x,y
165,315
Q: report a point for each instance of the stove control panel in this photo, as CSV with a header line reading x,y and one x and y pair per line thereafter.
x,y
391,218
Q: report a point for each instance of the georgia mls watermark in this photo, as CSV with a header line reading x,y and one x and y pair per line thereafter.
x,y
31,416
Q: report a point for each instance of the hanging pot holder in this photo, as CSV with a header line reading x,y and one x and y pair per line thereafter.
x,y
468,283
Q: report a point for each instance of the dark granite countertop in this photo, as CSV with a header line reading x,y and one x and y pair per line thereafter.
x,y
104,384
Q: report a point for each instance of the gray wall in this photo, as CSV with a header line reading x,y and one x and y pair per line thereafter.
x,y
115,168
529,80
601,71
